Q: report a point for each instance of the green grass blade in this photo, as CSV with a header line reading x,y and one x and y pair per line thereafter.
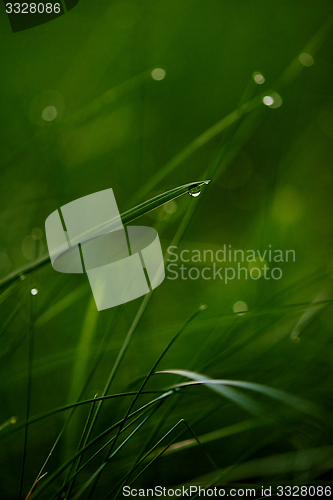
x,y
157,455
213,436
122,352
31,342
105,463
173,340
81,366
61,305
105,445
198,143
198,379
41,416
107,431
82,443
126,217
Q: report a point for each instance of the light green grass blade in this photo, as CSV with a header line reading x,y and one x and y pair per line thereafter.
x,y
81,366
212,436
216,385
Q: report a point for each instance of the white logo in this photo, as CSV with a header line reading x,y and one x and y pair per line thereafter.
x,y
87,235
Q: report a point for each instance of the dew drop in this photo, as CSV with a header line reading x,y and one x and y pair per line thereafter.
x,y
268,100
158,74
273,100
195,191
258,78
34,291
240,307
306,59
49,113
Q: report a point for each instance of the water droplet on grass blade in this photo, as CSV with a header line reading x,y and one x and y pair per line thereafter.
x,y
158,74
195,191
306,59
258,78
49,113
240,307
273,100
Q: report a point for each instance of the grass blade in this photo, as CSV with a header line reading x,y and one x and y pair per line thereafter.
x,y
297,403
122,352
212,436
31,341
105,463
34,486
126,217
83,442
107,431
157,455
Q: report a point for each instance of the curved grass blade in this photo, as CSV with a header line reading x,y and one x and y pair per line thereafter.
x,y
160,452
211,436
8,291
159,200
126,217
12,420
61,305
95,364
215,384
54,411
81,366
105,463
105,445
119,359
31,349
288,76
34,486
173,340
107,431
83,441
199,142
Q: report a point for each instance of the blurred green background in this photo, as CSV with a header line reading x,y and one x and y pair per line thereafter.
x,y
81,111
